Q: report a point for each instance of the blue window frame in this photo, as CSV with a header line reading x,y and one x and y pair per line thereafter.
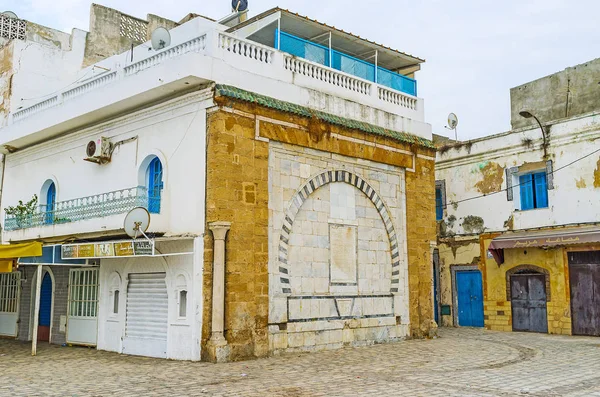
x,y
155,185
439,204
50,203
534,191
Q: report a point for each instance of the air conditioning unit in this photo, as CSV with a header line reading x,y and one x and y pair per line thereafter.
x,y
99,151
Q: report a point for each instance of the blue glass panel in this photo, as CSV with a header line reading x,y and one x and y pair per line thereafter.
x,y
526,191
303,48
155,185
439,205
541,190
396,81
353,66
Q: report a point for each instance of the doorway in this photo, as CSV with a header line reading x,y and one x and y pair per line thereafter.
x,y
528,302
584,278
45,317
468,293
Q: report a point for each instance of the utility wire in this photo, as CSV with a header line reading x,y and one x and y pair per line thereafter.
x,y
519,184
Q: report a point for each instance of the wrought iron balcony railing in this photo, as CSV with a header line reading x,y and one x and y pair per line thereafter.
x,y
96,206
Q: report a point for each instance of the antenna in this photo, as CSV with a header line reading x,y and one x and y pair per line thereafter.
x,y
452,124
137,222
10,14
161,38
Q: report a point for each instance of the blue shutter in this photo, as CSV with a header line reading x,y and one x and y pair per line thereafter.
x,y
50,203
526,185
541,190
439,205
155,185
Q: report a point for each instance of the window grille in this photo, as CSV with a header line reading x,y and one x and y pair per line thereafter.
x,y
12,28
9,292
133,28
83,293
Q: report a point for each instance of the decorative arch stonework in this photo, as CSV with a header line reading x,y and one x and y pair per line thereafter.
x,y
305,191
528,269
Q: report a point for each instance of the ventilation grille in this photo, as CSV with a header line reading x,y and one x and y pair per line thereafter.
x,y
133,28
12,28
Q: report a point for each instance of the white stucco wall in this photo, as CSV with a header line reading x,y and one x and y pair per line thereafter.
x,y
173,131
576,192
183,334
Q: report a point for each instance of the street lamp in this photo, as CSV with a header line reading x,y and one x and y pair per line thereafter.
x,y
528,115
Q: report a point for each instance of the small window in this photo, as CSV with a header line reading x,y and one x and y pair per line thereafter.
x,y
533,191
155,185
182,304
116,302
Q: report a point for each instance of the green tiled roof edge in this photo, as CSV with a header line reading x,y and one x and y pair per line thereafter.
x,y
237,93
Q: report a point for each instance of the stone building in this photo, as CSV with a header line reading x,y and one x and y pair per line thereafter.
x,y
289,185
518,215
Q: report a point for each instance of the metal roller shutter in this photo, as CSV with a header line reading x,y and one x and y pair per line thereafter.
x,y
147,315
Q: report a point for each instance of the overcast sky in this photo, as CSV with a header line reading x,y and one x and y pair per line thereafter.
x,y
476,50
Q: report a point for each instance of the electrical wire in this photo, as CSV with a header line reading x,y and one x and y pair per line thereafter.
x,y
68,85
519,184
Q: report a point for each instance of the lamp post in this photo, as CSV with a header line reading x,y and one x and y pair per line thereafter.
x,y
528,115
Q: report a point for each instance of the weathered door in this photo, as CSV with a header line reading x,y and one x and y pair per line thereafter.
x,y
146,322
528,301
470,298
9,303
82,319
45,318
584,275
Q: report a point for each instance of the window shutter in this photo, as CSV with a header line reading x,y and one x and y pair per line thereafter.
x,y
526,185
509,187
439,206
541,190
549,175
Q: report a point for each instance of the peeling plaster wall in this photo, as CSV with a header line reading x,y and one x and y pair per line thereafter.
x,y
479,170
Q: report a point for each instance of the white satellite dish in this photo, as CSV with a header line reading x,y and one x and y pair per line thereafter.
x,y
452,121
161,38
10,14
137,222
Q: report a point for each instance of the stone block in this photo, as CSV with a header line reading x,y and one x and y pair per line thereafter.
x,y
295,339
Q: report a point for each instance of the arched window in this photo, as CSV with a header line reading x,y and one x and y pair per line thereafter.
x,y
154,182
50,203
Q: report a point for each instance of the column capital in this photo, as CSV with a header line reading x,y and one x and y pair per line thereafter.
x,y
219,229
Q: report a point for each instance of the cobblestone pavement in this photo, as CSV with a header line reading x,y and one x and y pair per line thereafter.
x,y
462,362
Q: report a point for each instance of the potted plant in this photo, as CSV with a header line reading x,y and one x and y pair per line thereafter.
x,y
22,213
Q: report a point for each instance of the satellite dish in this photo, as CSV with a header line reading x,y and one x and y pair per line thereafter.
x,y
161,38
239,5
452,121
12,15
137,222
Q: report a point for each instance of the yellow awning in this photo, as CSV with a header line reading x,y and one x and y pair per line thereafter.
x,y
6,266
10,251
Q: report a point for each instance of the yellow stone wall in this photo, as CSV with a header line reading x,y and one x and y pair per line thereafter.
x,y
237,191
497,308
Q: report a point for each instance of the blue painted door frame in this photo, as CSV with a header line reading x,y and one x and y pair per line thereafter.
x,y
469,298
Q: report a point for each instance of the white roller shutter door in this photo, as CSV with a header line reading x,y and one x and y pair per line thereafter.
x,y
147,315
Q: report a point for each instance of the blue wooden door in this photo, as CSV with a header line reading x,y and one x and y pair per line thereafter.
x,y
45,309
155,185
470,298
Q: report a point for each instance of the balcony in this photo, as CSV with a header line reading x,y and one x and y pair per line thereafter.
x,y
198,57
97,206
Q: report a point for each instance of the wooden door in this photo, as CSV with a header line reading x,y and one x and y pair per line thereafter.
x,y
584,275
528,301
470,298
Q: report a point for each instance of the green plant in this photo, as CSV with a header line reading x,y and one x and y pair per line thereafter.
x,y
61,220
23,211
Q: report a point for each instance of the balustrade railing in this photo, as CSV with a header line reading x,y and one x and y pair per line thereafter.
x,y
247,49
96,206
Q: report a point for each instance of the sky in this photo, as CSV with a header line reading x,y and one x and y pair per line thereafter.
x,y
475,50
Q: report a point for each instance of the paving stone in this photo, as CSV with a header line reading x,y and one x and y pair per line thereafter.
x,y
461,362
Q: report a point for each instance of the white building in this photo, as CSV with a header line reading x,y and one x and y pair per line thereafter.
x,y
149,112
518,211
